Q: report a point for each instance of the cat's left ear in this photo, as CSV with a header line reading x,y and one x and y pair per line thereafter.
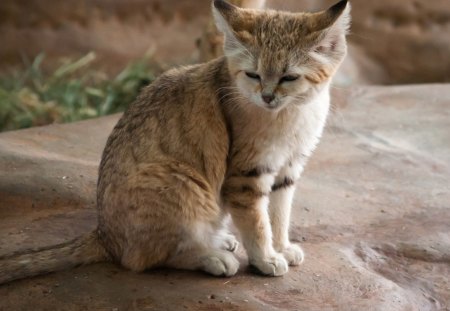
x,y
333,24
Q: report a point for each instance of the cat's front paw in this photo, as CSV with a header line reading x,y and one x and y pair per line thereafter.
x,y
274,265
293,254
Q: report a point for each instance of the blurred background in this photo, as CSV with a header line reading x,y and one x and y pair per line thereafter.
x,y
63,61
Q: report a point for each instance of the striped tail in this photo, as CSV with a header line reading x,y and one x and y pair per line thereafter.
x,y
80,251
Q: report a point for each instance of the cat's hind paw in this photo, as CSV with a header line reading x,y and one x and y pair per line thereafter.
x,y
274,265
220,263
293,254
230,243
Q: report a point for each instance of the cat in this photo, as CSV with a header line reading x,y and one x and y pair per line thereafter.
x,y
228,137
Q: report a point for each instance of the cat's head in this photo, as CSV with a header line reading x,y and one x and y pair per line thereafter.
x,y
277,58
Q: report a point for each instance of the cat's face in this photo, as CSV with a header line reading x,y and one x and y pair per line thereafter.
x,y
280,58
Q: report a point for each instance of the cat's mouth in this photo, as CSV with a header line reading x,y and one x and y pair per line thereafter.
x,y
273,107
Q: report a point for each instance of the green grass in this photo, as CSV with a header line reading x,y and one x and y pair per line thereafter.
x,y
72,92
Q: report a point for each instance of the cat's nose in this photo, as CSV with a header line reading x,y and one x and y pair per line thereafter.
x,y
267,98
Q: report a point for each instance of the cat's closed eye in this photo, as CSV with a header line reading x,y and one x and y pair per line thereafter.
x,y
252,75
288,78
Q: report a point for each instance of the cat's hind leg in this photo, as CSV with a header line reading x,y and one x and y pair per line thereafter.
x,y
223,238
172,219
217,262
204,248
229,242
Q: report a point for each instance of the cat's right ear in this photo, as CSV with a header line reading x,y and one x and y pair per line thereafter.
x,y
224,13
226,17
332,24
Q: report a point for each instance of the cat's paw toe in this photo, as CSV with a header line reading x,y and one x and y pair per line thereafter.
x,y
274,265
293,254
230,243
221,264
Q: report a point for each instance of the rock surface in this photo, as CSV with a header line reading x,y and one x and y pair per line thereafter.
x,y
372,212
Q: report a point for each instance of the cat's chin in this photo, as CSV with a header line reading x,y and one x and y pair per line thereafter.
x,y
268,107
273,108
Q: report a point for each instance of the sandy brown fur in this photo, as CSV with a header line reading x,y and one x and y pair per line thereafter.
x,y
164,167
83,250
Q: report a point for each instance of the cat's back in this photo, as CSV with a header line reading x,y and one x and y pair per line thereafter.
x,y
177,117
169,92
174,96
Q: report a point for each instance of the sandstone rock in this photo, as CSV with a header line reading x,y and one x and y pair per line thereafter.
x,y
372,212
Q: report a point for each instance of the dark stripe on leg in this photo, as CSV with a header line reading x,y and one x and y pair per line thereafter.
x,y
256,193
244,190
257,171
286,182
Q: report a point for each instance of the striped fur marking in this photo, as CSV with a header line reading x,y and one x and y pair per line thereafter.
x,y
257,171
286,182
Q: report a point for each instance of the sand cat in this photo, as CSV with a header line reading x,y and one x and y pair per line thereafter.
x,y
228,137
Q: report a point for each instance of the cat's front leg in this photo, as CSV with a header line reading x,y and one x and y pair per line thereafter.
x,y
246,194
281,199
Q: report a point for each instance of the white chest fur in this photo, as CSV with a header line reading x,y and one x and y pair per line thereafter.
x,y
271,140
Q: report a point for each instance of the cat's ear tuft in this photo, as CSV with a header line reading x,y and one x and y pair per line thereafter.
x,y
223,6
339,14
338,8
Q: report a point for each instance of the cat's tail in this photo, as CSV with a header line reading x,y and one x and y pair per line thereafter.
x,y
80,251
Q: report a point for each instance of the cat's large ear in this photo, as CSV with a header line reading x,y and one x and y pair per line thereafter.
x,y
333,24
232,24
224,13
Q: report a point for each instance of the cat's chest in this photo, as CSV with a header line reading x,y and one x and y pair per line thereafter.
x,y
274,142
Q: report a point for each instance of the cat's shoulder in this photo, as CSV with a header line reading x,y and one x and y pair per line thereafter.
x,y
182,80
